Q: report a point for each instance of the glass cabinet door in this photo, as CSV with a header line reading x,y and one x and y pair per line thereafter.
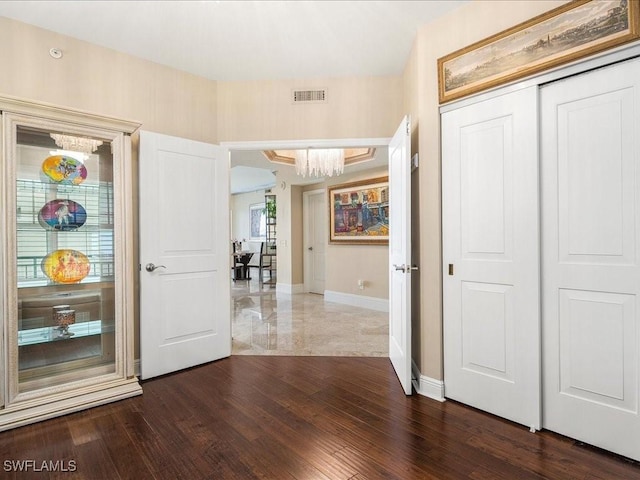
x,y
66,261
64,253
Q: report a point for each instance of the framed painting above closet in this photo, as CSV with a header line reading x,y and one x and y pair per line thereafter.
x,y
562,35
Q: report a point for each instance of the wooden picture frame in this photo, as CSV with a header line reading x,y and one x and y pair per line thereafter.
x,y
564,34
359,212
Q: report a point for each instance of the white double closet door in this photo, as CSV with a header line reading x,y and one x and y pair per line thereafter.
x,y
543,326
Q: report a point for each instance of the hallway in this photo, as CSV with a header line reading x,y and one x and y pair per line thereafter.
x,y
264,323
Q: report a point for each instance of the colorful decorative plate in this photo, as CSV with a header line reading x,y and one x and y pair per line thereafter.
x,y
65,170
62,214
66,266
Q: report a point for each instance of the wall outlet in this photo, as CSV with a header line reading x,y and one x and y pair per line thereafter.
x,y
361,284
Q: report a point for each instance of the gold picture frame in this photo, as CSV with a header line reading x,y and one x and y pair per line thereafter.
x,y
359,212
564,34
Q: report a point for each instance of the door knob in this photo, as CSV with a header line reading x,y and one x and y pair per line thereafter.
x,y
310,248
400,268
150,267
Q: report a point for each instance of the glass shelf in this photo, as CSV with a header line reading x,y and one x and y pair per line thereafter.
x,y
34,336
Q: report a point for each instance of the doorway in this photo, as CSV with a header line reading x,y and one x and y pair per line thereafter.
x,y
276,320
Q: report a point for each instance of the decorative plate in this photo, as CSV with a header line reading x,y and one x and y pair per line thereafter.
x,y
66,266
62,214
65,170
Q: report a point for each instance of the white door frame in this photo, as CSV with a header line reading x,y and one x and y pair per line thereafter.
x,y
305,234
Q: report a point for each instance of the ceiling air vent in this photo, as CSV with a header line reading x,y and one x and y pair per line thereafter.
x,y
310,96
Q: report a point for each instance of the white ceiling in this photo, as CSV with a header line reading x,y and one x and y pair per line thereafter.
x,y
248,40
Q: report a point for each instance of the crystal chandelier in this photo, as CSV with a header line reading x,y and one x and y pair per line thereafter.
x,y
76,144
321,162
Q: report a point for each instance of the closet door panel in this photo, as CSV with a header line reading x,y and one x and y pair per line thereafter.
x,y
490,254
486,169
595,179
591,277
597,344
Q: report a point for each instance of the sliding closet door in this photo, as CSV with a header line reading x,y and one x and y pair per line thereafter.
x,y
491,256
591,252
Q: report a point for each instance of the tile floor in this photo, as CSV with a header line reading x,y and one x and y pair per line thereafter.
x,y
303,324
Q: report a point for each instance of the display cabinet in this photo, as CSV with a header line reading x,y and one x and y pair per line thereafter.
x,y
66,268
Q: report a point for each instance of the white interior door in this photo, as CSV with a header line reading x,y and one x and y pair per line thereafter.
x,y
400,254
591,254
315,240
184,232
491,256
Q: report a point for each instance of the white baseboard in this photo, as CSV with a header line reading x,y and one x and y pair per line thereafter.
x,y
427,386
289,289
372,303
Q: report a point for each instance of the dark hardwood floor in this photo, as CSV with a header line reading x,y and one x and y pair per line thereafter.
x,y
273,417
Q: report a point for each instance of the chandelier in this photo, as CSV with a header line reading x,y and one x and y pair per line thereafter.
x,y
76,144
321,162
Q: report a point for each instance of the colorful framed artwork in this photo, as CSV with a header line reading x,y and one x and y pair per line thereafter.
x,y
567,33
359,212
258,222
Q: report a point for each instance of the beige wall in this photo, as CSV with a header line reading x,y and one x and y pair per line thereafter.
x,y
356,108
103,81
464,26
